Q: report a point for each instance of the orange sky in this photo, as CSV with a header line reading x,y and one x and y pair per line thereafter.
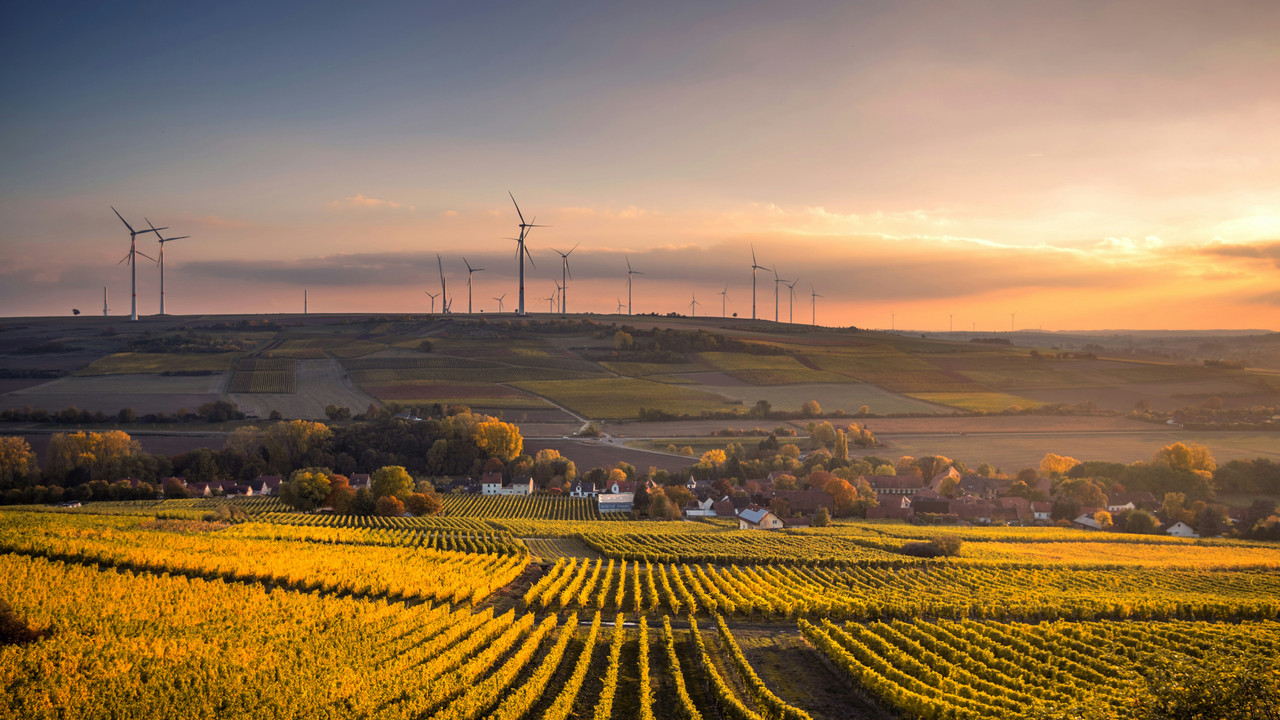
x,y
1085,165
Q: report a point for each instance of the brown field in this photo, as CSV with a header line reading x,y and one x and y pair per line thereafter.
x,y
831,396
319,383
444,391
130,363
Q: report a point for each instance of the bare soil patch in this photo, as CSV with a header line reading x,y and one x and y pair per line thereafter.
x,y
320,383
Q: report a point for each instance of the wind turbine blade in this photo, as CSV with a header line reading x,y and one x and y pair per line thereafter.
x,y
529,255
513,202
147,256
124,259
126,224
180,237
575,247
154,229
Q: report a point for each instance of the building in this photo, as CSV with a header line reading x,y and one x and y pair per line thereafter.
x,y
615,502
583,489
897,507
700,508
895,484
1181,529
758,518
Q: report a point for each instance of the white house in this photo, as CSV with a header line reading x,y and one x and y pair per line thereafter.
x,y
615,502
1042,510
700,508
583,489
757,518
518,486
1181,529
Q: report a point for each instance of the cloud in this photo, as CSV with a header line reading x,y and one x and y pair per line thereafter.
x,y
360,201
1266,251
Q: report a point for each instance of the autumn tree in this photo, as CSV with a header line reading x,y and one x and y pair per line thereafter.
x,y
811,408
391,481
17,461
1185,456
931,465
822,518
848,498
390,506
1057,465
713,460
99,456
307,488
822,435
1103,518
1141,522
341,496
424,503
498,439
679,495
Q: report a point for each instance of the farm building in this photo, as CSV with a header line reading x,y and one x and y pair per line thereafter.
x,y
1181,529
700,508
895,484
758,518
615,502
891,506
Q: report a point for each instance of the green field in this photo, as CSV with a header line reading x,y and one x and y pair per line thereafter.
x,y
976,401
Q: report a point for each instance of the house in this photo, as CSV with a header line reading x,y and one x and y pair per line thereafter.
x,y
933,505
1041,510
758,518
615,502
949,473
796,522
462,485
805,502
974,511
359,481
1119,502
1086,521
583,489
1181,529
202,489
491,483
897,507
621,486
724,507
980,486
895,484
517,486
700,508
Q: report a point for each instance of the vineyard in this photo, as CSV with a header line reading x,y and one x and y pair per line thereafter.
x,y
144,613
265,375
511,507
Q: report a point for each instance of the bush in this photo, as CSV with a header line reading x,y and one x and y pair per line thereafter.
x,y
390,506
942,546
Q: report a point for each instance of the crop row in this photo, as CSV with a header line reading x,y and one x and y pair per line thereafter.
x,y
543,507
468,541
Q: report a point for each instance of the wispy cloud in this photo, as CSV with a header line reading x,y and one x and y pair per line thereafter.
x,y
1264,251
360,201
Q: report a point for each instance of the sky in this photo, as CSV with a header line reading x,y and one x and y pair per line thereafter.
x,y
976,165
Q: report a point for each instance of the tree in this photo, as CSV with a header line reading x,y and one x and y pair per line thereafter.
x,y
17,461
102,456
640,503
885,470
1103,518
1172,505
840,451
306,489
498,439
661,508
811,408
822,518
949,487
822,435
1057,465
713,459
1211,520
1141,522
174,490
364,503
390,506
1184,456
850,499
424,503
931,465
679,495
391,481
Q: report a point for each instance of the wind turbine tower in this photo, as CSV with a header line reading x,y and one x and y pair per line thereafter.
x,y
163,240
693,306
133,260
791,306
521,251
814,300
724,297
754,267
433,297
630,272
565,274
500,299
776,282
470,271
105,310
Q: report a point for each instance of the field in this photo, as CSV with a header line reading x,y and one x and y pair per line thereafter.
x,y
134,363
454,617
623,397
849,396
976,401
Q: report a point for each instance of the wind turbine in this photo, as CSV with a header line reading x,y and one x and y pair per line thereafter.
x,y
470,272
814,300
132,258
754,267
499,299
776,282
791,306
163,240
565,274
724,297
619,310
693,306
444,291
630,272
559,295
551,303
521,251
433,297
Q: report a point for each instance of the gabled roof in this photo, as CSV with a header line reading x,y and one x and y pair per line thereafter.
x,y
754,515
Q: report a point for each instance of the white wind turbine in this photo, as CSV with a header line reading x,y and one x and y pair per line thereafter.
x,y
619,310
693,305
499,299
754,267
776,282
133,260
521,251
724,298
444,290
630,272
565,274
814,300
163,240
433,297
791,307
470,271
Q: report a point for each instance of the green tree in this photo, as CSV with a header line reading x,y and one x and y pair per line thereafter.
x,y
1141,522
306,489
17,461
391,481
822,518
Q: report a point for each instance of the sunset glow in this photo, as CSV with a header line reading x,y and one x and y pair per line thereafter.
x,y
1080,165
